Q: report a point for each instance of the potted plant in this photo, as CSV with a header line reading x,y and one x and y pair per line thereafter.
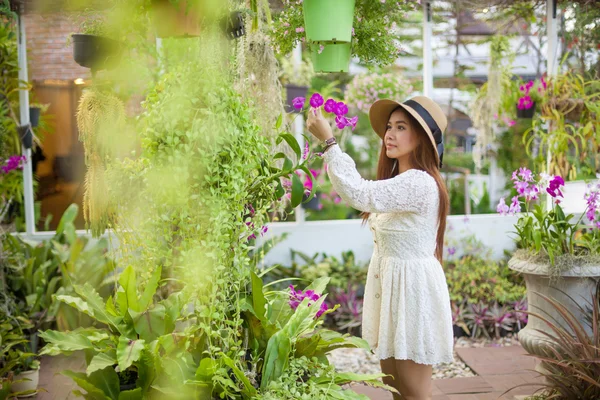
x,y
19,367
530,94
459,324
571,96
378,20
35,111
94,48
328,21
558,255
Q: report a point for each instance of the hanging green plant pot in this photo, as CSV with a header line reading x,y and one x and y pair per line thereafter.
x,y
96,52
333,58
328,21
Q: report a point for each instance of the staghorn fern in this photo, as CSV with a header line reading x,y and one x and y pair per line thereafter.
x,y
100,120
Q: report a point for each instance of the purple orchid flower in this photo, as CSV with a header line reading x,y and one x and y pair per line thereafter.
x,y
316,100
298,103
330,105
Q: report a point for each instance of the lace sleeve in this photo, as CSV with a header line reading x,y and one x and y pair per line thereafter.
x,y
412,191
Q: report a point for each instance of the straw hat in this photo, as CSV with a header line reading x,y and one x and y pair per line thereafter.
x,y
427,113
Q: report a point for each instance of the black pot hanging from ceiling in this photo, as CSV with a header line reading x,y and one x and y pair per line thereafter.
x,y
233,25
34,116
96,52
26,135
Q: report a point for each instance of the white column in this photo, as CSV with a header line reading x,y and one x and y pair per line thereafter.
x,y
299,124
552,60
427,54
24,120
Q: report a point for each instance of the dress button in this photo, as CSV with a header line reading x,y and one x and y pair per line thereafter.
x,y
375,241
376,276
377,296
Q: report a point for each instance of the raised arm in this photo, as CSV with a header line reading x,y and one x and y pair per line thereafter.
x,y
412,191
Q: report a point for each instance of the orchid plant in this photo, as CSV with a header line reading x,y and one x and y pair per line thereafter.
x,y
339,108
530,93
366,88
550,232
375,34
11,183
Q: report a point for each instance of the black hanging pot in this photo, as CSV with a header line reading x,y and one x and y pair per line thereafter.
x,y
526,113
313,204
233,25
96,52
26,135
293,91
34,116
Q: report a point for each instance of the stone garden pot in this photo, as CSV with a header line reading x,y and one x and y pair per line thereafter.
x,y
29,382
579,283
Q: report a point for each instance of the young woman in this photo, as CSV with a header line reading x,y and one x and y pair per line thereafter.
x,y
406,314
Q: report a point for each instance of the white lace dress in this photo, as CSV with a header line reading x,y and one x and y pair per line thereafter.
x,y
406,311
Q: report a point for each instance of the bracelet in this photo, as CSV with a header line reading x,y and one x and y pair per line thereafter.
x,y
328,143
328,147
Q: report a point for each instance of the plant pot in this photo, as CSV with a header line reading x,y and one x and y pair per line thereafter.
x,y
458,331
34,116
575,283
293,91
96,52
26,136
570,108
31,380
233,25
313,204
526,113
176,20
328,21
333,58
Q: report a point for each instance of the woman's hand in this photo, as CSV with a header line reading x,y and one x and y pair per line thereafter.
x,y
317,125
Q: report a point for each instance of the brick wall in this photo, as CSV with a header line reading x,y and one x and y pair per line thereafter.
x,y
49,56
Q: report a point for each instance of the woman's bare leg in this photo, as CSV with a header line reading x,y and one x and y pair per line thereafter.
x,y
388,367
414,380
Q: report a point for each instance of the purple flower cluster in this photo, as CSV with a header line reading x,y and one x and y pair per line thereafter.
x,y
340,109
592,198
296,297
526,101
13,162
529,190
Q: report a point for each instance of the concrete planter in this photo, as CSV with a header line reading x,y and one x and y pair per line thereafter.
x,y
579,283
30,382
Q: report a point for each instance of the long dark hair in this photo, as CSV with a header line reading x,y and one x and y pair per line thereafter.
x,y
422,158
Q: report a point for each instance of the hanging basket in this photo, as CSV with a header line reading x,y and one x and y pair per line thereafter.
x,y
328,21
96,52
26,135
34,116
233,25
526,113
570,108
333,58
180,20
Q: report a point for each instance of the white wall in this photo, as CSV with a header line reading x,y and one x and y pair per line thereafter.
x,y
337,236
334,237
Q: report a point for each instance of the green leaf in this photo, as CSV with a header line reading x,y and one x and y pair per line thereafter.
x,y
135,394
129,351
248,390
128,282
96,304
278,156
65,341
287,164
259,301
150,289
149,324
279,191
276,358
537,238
293,143
67,218
279,121
206,369
319,285
100,385
101,361
297,190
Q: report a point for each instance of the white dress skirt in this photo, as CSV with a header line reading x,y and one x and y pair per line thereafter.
x,y
406,310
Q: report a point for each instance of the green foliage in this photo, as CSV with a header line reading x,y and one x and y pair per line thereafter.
x,y
34,273
341,273
375,30
570,363
478,280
